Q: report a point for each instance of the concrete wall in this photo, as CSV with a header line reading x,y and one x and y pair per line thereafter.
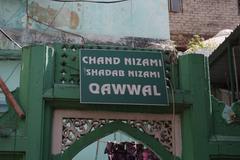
x,y
124,19
203,17
96,22
12,14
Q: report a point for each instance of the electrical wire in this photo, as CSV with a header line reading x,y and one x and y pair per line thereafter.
x,y
74,34
92,1
7,21
89,1
54,18
173,116
9,38
10,75
12,16
173,121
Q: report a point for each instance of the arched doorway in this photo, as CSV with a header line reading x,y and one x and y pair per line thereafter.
x,y
110,128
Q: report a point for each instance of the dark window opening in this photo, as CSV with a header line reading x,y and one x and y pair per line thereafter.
x,y
225,76
238,7
175,5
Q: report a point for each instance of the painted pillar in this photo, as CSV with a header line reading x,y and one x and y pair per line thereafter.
x,y
194,77
31,82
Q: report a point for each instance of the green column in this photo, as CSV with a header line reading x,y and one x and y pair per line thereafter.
x,y
194,76
31,98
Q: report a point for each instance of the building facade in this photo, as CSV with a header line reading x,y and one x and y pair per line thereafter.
x,y
71,113
79,99
201,17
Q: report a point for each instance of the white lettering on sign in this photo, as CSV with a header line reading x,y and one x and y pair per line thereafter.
x,y
127,61
106,89
143,62
134,89
105,72
119,89
122,89
94,88
121,73
100,60
144,74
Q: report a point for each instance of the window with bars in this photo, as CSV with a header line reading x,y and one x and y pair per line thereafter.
x,y
175,5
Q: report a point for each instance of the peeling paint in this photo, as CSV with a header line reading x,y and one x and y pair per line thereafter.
x,y
74,20
51,16
12,15
97,23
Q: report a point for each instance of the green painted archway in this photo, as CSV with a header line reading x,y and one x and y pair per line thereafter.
x,y
110,128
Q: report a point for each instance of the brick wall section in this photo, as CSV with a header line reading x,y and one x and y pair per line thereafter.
x,y
203,17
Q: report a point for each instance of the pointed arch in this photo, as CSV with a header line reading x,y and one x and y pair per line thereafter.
x,y
110,128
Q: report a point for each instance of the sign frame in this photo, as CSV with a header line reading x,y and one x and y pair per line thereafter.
x,y
122,103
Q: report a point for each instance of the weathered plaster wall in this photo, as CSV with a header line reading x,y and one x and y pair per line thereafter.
x,y
95,22
131,18
12,14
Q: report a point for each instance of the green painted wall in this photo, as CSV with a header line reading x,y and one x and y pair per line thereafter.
x,y
204,135
193,70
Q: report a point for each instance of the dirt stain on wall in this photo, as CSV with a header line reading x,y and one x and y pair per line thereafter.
x,y
51,16
74,20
